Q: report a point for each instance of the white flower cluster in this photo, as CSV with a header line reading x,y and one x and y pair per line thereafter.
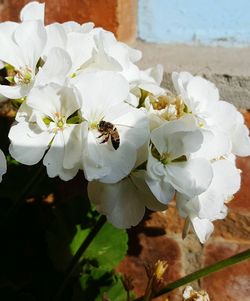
x,y
87,106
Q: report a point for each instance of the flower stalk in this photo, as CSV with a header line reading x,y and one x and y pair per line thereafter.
x,y
201,273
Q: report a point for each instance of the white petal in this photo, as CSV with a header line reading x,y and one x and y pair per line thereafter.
x,y
120,202
100,91
133,127
157,73
15,92
138,178
56,37
53,160
181,205
224,116
102,162
134,54
32,11
180,81
3,165
202,91
53,98
101,60
241,141
155,168
152,88
80,47
132,100
28,143
215,144
203,228
71,26
142,155
226,178
190,178
9,52
55,69
162,190
178,137
120,162
24,112
31,37
210,204
73,145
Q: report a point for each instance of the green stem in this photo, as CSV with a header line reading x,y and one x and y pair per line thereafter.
x,y
202,273
74,263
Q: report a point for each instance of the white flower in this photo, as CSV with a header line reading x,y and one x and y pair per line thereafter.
x,y
49,127
22,46
199,95
145,82
162,108
124,202
169,167
119,52
222,125
3,165
189,294
101,97
216,144
231,122
210,205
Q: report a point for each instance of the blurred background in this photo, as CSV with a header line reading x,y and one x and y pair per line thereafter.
x,y
212,22
206,37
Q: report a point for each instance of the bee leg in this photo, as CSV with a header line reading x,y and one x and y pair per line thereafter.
x,y
101,135
105,140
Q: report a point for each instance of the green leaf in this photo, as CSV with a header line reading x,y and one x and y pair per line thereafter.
x,y
116,292
108,248
95,283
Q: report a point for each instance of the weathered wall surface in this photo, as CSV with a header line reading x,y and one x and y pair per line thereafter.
x,y
210,22
227,68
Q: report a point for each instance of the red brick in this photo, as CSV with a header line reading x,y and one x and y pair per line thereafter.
x,y
118,16
235,227
246,114
168,220
241,202
232,283
153,248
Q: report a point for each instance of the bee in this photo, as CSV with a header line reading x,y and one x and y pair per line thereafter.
x,y
107,129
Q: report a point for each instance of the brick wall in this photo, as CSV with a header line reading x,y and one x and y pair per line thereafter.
x,y
118,16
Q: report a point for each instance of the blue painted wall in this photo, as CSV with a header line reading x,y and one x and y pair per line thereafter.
x,y
212,22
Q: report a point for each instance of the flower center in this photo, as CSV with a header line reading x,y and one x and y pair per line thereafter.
x,y
23,76
60,122
169,107
165,158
